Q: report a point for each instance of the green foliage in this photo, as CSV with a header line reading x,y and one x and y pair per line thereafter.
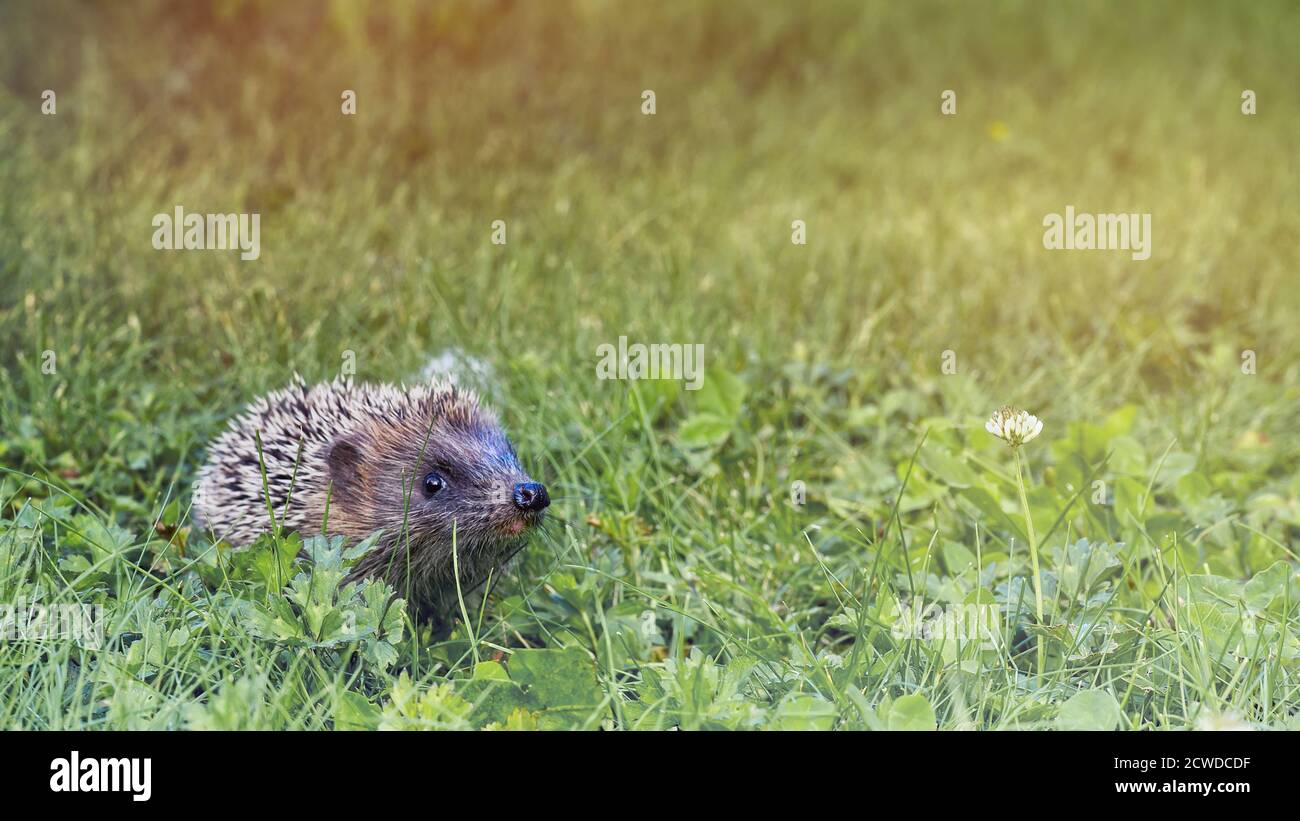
x,y
1089,710
911,712
235,705
318,611
435,708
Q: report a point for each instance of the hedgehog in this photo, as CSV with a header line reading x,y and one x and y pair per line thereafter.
x,y
423,466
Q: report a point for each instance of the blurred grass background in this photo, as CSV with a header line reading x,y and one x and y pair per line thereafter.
x,y
924,233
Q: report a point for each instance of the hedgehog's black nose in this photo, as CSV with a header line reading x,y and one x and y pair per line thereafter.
x,y
531,496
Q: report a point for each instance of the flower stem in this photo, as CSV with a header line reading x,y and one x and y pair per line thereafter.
x,y
1033,554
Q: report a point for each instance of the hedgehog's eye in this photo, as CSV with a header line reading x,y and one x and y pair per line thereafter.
x,y
432,484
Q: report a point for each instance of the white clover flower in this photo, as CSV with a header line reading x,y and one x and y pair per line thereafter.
x,y
1015,427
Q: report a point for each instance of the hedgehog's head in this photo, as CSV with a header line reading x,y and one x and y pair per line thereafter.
x,y
440,465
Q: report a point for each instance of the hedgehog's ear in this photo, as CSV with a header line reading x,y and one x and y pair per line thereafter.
x,y
345,468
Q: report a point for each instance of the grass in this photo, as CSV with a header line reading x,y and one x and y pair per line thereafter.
x,y
678,584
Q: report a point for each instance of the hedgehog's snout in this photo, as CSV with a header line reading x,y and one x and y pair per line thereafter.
x,y
531,496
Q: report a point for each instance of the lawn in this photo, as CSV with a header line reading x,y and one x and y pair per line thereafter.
x,y
824,534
